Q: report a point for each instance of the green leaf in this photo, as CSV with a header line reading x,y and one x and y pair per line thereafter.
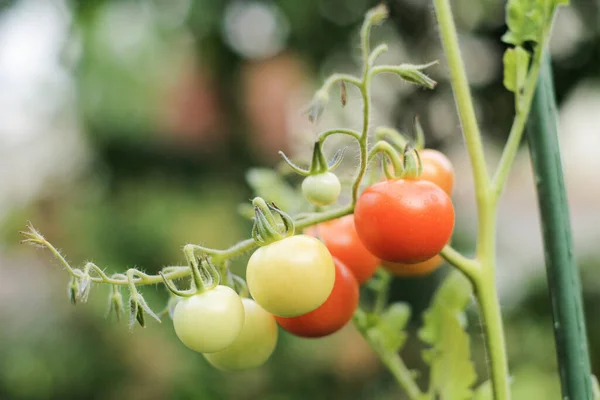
x,y
452,372
389,333
526,20
484,391
595,387
516,65
269,185
454,293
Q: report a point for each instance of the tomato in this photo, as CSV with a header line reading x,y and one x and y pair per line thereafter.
x,y
418,269
210,321
333,314
292,276
437,169
340,237
322,189
404,220
253,346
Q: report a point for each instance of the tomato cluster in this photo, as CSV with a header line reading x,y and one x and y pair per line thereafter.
x,y
308,284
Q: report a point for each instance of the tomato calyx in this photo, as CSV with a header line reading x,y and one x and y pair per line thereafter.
x,y
137,310
205,276
266,228
319,164
413,167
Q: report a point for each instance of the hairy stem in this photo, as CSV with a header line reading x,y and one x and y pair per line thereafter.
x,y
483,277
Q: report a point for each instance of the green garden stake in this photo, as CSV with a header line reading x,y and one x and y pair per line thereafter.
x,y
563,275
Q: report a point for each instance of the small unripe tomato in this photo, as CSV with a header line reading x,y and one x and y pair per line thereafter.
x,y
253,346
418,269
292,276
438,169
209,321
404,220
322,189
336,312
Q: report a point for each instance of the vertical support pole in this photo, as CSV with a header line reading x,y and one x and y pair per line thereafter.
x,y
563,275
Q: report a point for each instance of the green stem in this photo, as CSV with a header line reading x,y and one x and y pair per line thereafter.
x,y
391,360
471,268
484,276
402,374
518,127
462,93
342,131
387,149
487,296
334,78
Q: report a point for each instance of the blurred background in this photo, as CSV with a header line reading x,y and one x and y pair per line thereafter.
x,y
127,128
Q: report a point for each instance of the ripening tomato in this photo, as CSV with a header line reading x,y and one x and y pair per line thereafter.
x,y
209,321
292,276
333,314
322,189
404,220
418,269
340,237
253,346
437,168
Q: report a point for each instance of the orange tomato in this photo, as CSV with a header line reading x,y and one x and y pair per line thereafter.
x,y
437,168
418,269
341,239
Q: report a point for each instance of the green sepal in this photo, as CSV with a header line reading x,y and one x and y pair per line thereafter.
x,y
137,310
72,290
115,303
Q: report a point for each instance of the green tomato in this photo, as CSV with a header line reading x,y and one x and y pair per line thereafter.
x,y
210,321
322,189
253,346
292,276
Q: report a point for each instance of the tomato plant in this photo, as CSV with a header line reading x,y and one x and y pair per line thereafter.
x,y
210,321
253,346
404,220
292,276
416,269
340,237
332,315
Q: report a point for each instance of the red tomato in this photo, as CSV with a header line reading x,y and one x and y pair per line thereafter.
x,y
343,243
404,220
418,269
330,317
437,169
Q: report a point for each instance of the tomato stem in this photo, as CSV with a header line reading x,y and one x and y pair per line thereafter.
x,y
522,112
391,360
